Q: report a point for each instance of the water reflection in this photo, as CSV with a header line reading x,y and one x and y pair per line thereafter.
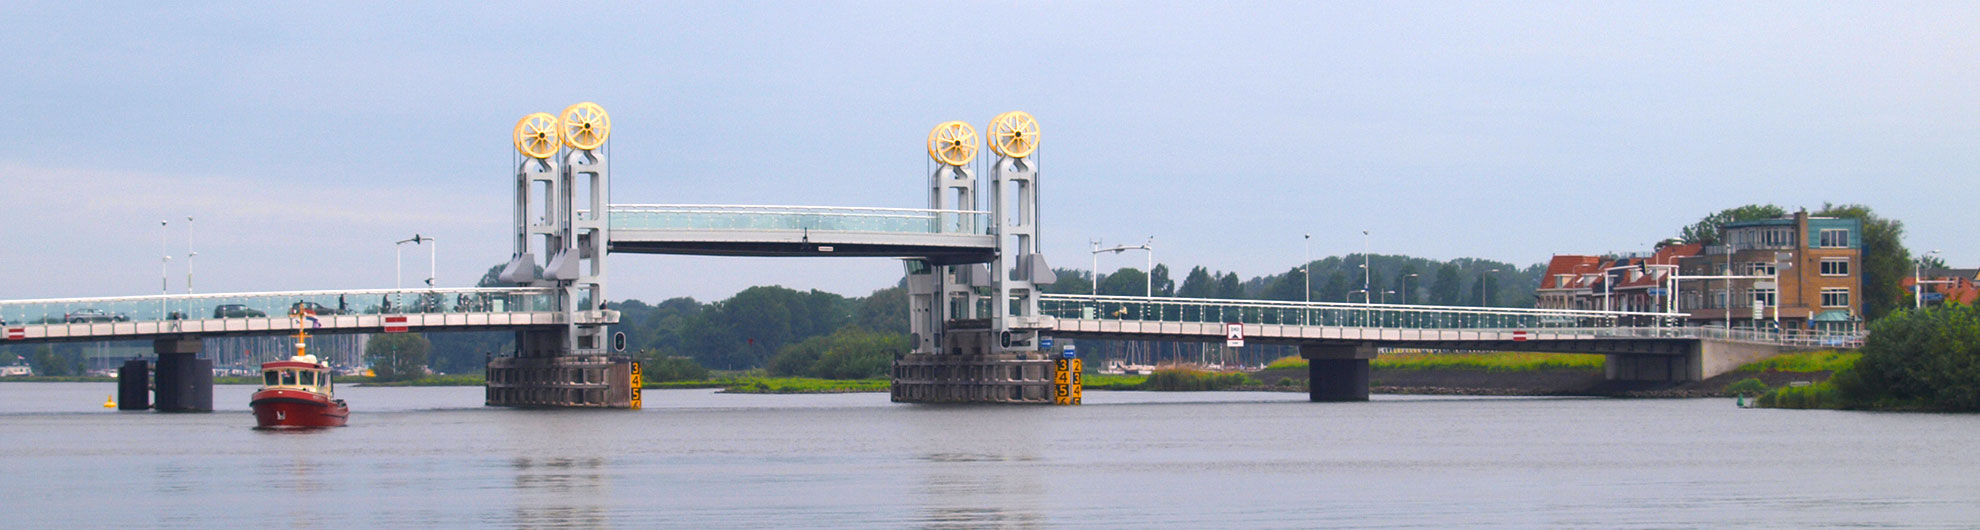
x,y
981,467
564,492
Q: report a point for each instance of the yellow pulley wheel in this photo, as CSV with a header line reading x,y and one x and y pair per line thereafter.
x,y
952,143
585,125
537,136
1014,134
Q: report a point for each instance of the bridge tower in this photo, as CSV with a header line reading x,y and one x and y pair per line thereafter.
x,y
560,211
976,326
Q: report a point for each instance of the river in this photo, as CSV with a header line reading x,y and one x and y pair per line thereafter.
x,y
426,457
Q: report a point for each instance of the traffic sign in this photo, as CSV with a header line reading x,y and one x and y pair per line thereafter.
x,y
395,324
1069,353
1234,335
21,333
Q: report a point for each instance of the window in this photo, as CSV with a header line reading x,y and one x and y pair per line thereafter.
x,y
1718,298
309,379
1760,268
288,378
268,379
1835,238
1835,266
1763,296
1835,297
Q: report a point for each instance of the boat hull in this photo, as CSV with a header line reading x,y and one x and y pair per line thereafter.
x,y
290,408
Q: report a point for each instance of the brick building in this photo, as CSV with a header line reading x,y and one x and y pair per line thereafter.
x,y
1816,265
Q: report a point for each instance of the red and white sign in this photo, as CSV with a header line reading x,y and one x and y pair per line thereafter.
x,y
1519,336
1234,335
395,324
17,333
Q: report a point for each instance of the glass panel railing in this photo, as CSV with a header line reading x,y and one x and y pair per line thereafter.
x,y
719,217
276,304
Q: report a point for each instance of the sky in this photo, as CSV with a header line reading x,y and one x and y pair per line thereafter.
x,y
305,140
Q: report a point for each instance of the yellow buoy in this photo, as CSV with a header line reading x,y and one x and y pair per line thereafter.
x,y
110,401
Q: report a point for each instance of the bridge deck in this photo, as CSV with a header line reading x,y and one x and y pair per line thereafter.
x,y
941,236
221,314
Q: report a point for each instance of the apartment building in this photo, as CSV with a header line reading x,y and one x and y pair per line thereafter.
x,y
1794,272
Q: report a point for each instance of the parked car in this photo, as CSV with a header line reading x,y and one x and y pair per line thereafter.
x,y
313,307
236,311
91,314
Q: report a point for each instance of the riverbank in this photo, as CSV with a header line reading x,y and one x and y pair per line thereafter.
x,y
1531,374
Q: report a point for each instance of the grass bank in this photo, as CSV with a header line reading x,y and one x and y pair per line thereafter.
x,y
1478,362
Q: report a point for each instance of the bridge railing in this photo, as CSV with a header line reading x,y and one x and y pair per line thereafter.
x,y
1340,314
276,304
821,218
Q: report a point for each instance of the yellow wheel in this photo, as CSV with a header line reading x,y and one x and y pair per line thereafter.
x,y
536,135
1014,134
952,143
585,125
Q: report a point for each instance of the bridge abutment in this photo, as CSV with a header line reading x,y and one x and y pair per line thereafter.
x,y
184,382
1337,372
1703,360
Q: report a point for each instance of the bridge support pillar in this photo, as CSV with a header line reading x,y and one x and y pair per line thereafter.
x,y
971,371
134,385
543,375
184,382
1337,372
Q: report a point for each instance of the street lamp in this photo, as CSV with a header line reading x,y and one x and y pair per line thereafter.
x,y
163,264
1405,289
1366,273
1485,286
1385,296
1918,281
1149,287
398,259
1306,266
189,254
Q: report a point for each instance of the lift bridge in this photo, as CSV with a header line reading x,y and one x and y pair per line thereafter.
x,y
979,322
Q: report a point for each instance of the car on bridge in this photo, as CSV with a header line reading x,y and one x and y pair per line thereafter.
x,y
236,311
314,308
91,314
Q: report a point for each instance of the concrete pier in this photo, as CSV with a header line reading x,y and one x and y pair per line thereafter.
x,y
184,382
979,378
1337,372
581,381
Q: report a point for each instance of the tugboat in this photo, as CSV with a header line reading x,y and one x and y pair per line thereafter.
x,y
297,392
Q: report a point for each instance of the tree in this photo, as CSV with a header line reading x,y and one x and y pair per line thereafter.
x,y
1926,358
1128,281
1445,290
1164,286
1199,284
1404,283
1289,287
1706,231
1336,288
1229,288
1885,260
850,353
396,356
885,311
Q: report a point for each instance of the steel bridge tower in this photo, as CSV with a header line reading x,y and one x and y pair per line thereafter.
x,y
562,232
976,326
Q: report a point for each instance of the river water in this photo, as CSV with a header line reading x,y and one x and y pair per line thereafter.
x,y
426,457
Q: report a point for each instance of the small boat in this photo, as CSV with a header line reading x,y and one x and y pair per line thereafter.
x,y
298,392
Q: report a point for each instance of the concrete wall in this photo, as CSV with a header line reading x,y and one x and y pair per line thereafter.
x,y
1708,359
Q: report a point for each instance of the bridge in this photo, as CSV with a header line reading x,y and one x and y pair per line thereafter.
x,y
977,314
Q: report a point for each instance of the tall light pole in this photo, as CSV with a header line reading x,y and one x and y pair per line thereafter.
x,y
1149,247
163,264
398,260
1366,272
1405,293
1306,266
1918,281
1485,286
189,254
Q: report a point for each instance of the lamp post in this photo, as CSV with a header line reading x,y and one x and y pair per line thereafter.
x,y
164,263
189,254
1149,287
1485,286
1405,288
398,260
1306,265
1918,281
1366,273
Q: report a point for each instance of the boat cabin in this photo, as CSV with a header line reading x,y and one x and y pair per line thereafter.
x,y
295,375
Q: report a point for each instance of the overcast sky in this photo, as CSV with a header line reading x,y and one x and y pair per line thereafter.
x,y
306,139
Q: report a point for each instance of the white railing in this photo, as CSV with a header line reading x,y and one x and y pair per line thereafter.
x,y
276,304
820,218
1423,317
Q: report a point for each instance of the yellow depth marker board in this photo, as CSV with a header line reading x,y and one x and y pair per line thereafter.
x,y
1066,381
637,382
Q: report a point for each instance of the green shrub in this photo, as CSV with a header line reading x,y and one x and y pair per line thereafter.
x,y
1816,396
1747,387
1927,359
1289,361
850,353
664,369
1195,380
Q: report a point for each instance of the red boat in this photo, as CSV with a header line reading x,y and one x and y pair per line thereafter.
x,y
297,392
